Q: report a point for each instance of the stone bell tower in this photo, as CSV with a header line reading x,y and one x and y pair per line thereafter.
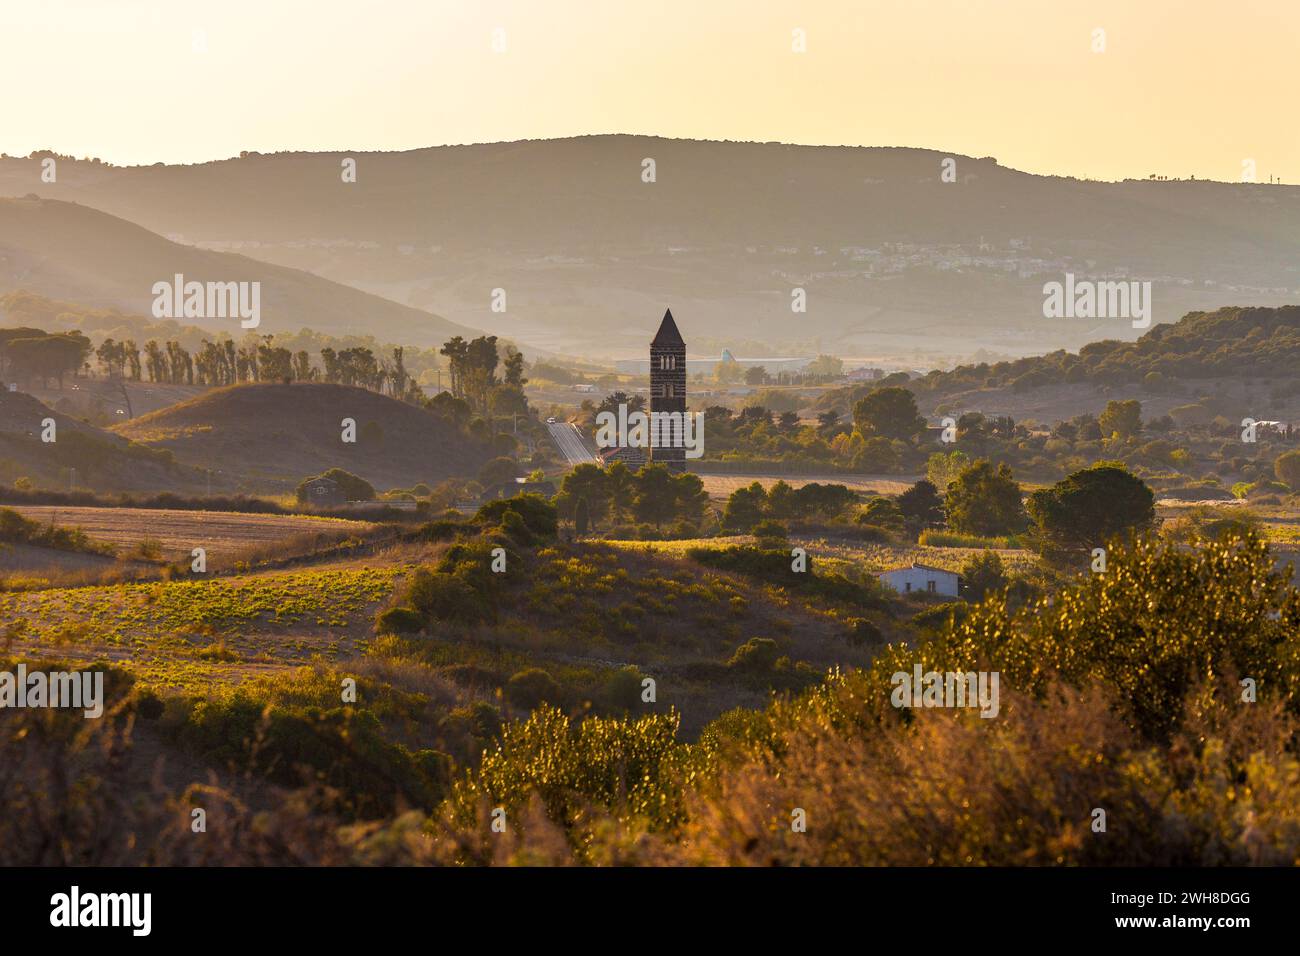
x,y
668,394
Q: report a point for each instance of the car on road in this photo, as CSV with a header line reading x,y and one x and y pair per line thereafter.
x,y
550,421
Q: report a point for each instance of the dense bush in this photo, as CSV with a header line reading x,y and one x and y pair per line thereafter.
x,y
982,574
757,655
864,631
534,517
531,688
399,620
447,597
295,742
623,689
1106,701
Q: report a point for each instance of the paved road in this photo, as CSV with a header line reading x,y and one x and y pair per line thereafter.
x,y
569,440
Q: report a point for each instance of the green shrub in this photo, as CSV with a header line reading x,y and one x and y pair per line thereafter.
x,y
531,688
538,515
399,620
513,524
757,655
15,529
983,574
446,597
622,690
864,632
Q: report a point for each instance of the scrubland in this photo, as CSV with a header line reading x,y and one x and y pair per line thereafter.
x,y
659,703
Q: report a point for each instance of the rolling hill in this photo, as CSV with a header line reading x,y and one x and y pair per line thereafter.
x,y
272,436
1237,361
65,250
896,262
103,462
1248,344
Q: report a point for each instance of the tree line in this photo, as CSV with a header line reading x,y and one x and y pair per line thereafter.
x,y
32,355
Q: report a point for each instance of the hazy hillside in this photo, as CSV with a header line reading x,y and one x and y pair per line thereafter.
x,y
105,401
70,251
586,250
273,436
1233,342
1237,361
102,461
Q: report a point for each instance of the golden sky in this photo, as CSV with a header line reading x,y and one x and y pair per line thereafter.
x,y
1184,87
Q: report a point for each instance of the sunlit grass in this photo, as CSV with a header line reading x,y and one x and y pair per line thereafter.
x,y
127,613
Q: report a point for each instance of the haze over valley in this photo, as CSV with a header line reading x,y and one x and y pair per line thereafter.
x,y
898,264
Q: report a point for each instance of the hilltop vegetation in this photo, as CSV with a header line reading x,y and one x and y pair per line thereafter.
x,y
231,436
1230,342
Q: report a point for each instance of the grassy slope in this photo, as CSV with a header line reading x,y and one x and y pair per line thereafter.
x,y
274,435
104,461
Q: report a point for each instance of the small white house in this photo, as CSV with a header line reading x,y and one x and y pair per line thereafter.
x,y
921,577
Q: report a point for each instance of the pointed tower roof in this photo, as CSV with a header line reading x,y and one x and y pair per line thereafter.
x,y
668,335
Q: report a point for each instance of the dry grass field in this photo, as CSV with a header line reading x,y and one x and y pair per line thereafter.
x,y
172,534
